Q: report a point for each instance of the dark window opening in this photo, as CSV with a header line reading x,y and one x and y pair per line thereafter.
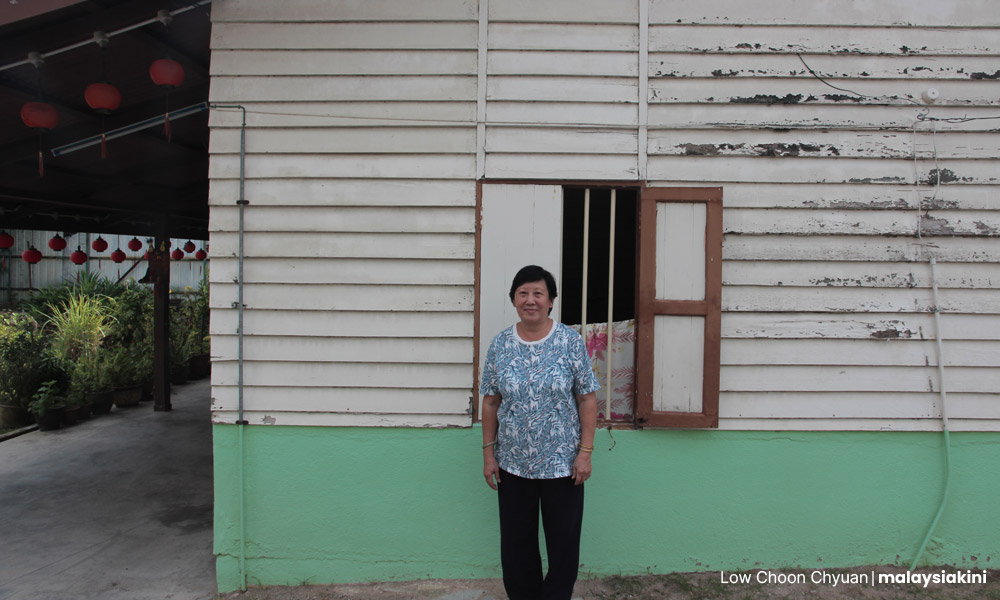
x,y
570,296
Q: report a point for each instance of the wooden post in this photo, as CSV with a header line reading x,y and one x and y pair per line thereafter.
x,y
159,273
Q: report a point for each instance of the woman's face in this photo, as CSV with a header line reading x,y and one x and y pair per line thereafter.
x,y
532,302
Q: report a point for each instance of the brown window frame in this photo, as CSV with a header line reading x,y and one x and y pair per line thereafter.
x,y
649,307
647,304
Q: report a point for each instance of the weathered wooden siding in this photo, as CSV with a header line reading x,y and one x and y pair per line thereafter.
x,y
833,207
360,228
362,157
562,90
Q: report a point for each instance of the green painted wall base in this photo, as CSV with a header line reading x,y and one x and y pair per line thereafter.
x,y
328,504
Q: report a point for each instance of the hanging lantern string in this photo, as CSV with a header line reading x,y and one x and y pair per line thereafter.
x,y
166,117
103,43
166,19
38,85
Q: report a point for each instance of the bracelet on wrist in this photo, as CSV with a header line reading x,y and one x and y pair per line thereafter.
x,y
487,445
586,448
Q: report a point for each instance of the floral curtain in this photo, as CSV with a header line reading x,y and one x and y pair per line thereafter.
x,y
621,352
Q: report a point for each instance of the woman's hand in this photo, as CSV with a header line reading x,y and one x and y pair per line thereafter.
x,y
491,470
587,408
582,468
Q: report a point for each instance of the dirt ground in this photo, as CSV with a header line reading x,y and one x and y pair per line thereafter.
x,y
832,584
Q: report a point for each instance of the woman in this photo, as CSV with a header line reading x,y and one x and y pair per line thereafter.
x,y
539,415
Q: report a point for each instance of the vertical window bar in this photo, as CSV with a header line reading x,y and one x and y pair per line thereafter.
x,y
586,263
611,304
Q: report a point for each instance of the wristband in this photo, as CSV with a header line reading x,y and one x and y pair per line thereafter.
x,y
493,443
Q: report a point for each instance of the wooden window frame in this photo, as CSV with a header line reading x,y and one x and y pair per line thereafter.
x,y
649,307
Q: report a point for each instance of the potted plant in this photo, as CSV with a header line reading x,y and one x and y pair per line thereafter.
x,y
90,381
25,363
130,344
47,406
195,312
125,383
79,325
180,354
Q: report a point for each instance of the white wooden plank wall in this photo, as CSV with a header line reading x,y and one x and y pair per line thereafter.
x,y
562,90
826,284
362,161
360,228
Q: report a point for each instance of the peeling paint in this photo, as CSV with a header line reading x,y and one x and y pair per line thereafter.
x,y
986,229
876,180
942,176
853,204
890,332
768,99
699,149
995,75
935,226
268,420
842,98
938,204
886,334
785,149
721,73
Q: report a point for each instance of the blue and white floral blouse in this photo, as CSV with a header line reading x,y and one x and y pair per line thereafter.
x,y
539,425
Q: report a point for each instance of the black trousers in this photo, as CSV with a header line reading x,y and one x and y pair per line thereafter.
x,y
561,504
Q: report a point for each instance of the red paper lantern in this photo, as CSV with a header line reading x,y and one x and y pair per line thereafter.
x,y
177,254
134,244
201,255
189,247
78,256
99,245
102,97
118,256
39,115
6,240
57,243
31,255
166,73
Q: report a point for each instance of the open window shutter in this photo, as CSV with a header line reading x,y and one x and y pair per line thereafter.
x,y
519,225
680,298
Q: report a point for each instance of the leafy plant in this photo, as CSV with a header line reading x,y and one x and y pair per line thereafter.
x,y
79,327
133,333
44,303
90,374
133,310
180,346
25,360
189,326
48,396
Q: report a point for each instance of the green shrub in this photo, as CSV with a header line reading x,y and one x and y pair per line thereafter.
x,y
25,359
79,327
44,303
48,395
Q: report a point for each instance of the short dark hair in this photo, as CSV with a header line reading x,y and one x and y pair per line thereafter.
x,y
530,274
